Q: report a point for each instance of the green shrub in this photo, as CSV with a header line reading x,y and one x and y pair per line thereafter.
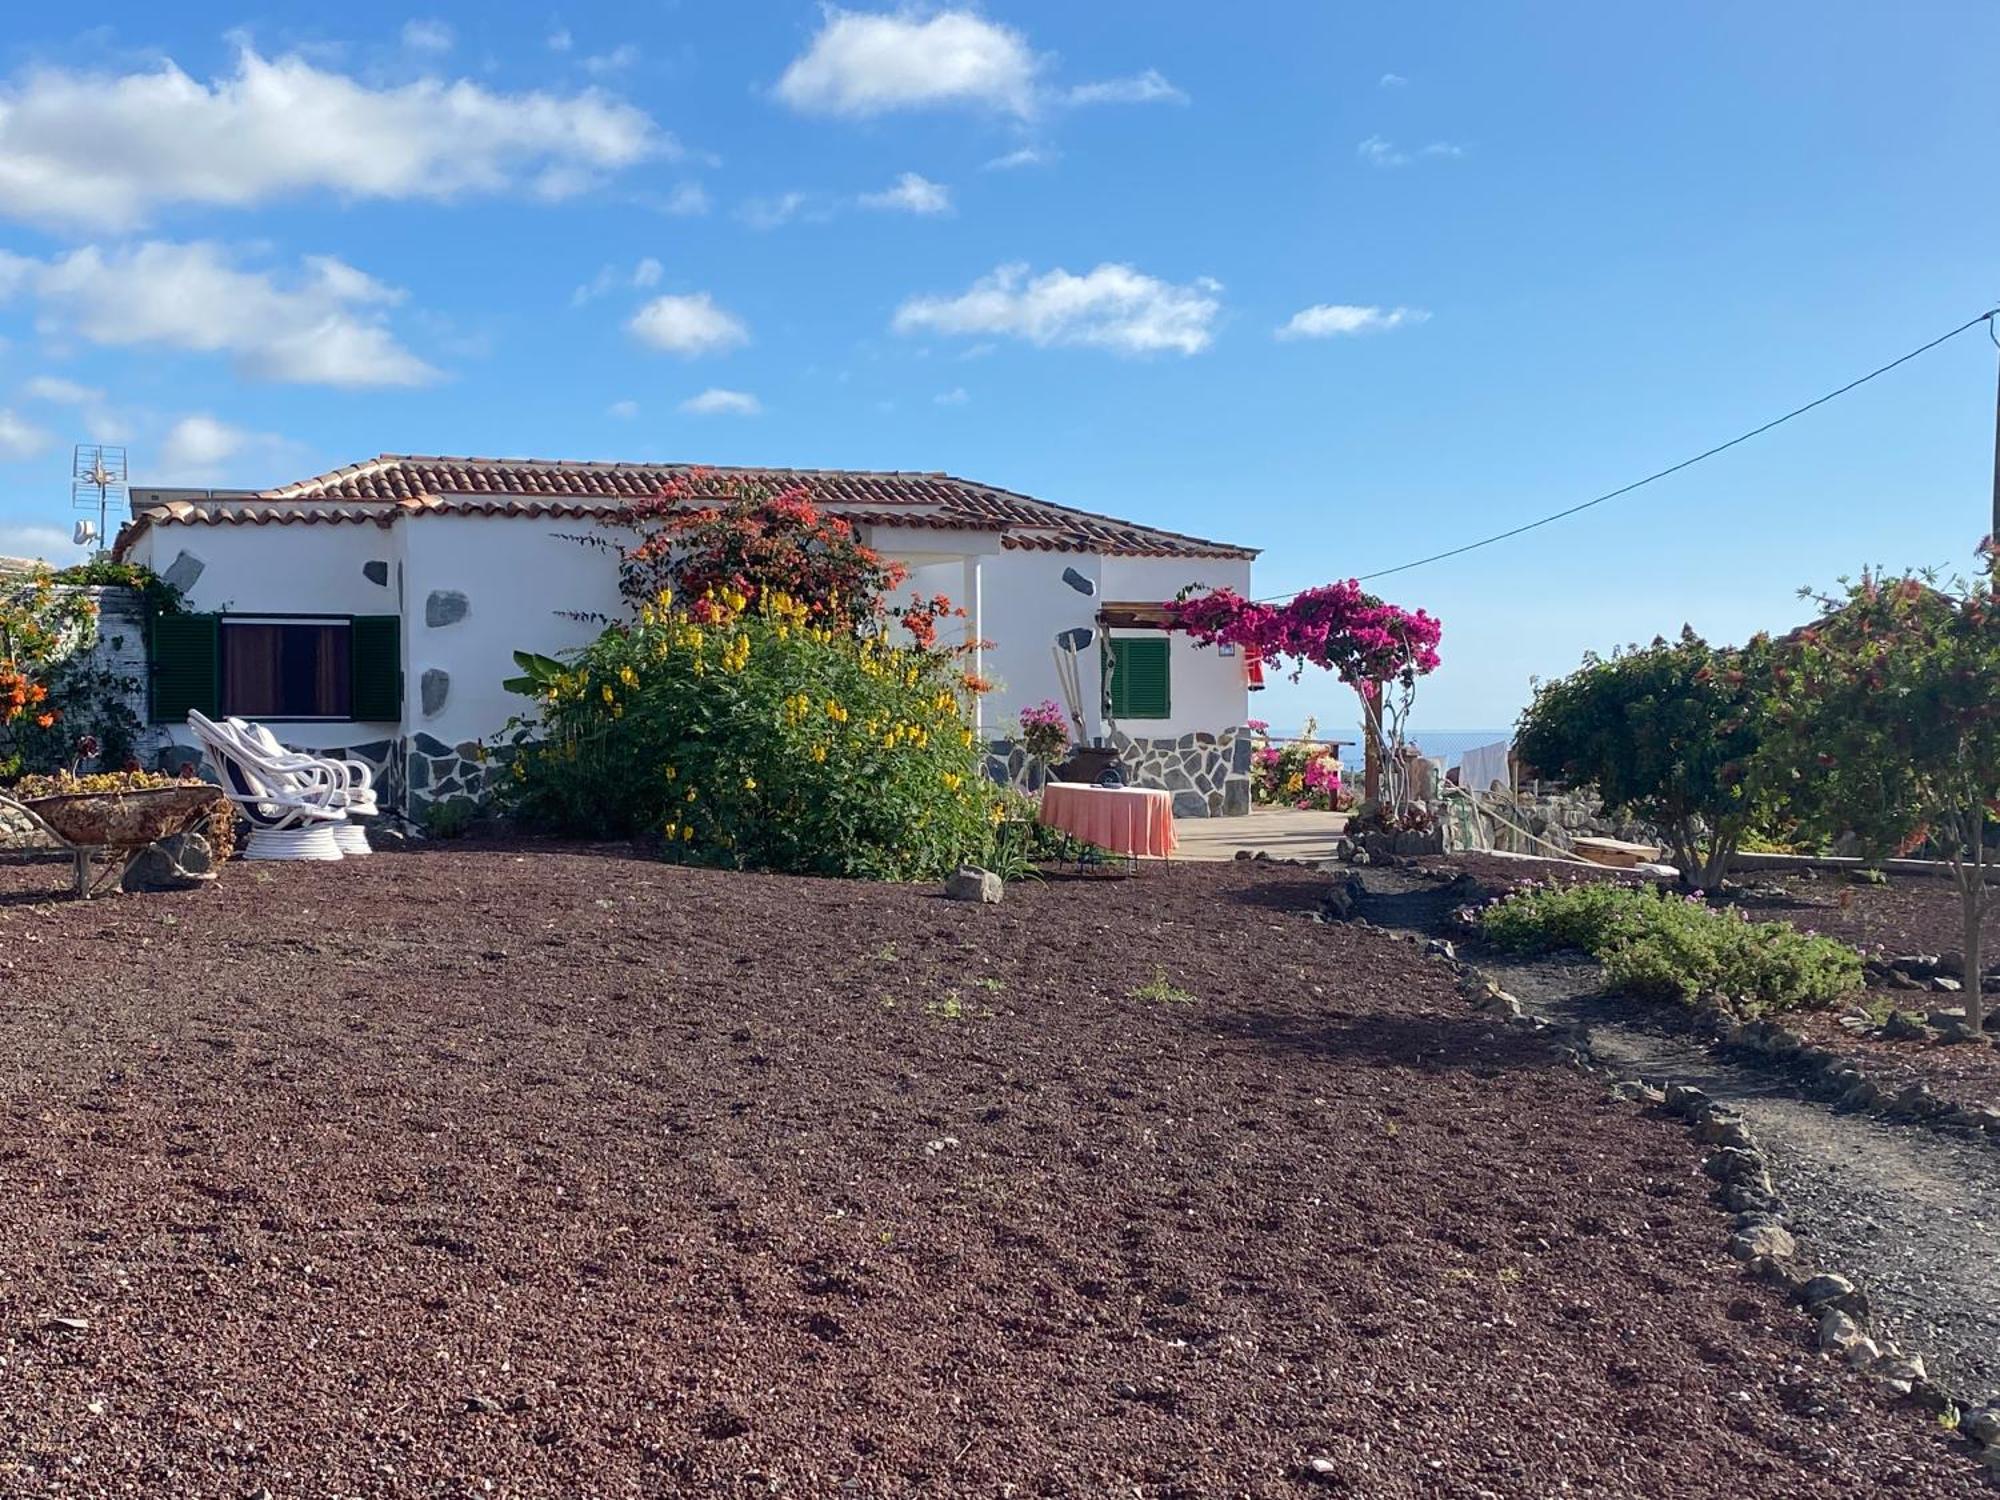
x,y
1677,947
450,818
755,739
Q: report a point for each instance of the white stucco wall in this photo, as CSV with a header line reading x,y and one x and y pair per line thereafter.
x,y
516,573
1210,691
1027,604
309,570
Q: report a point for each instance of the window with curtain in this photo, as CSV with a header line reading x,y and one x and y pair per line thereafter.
x,y
287,669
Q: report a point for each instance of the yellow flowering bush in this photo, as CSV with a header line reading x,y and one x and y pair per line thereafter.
x,y
754,738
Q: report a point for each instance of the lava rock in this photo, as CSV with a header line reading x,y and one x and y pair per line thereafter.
x,y
1838,1333
1904,1027
1899,1372
1342,900
1685,1099
1763,1239
174,863
1982,1425
1830,1290
970,883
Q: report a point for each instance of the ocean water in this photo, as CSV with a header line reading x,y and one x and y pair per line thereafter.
x,y
1448,745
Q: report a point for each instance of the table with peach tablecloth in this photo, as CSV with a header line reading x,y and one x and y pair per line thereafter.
x,y
1130,820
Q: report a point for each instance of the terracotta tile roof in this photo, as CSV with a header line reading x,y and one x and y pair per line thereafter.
x,y
397,485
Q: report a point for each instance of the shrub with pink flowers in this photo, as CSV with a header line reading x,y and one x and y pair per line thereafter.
x,y
1045,730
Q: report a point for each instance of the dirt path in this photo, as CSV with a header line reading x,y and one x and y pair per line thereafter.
x,y
1912,1216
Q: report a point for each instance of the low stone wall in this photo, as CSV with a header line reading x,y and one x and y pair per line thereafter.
x,y
437,772
1209,774
1555,815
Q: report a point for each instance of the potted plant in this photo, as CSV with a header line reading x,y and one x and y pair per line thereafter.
x,y
1044,736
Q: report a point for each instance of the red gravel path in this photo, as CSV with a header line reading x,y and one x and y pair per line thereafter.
x,y
582,1176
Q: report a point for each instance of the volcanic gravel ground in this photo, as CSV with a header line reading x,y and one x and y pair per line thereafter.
x,y
1911,1215
555,1172
1911,914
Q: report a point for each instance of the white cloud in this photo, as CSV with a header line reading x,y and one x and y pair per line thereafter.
x,y
202,449
428,36
1112,307
44,542
688,325
560,40
1149,87
912,194
100,424
1378,152
20,438
625,411
617,60
772,212
197,447
1025,156
687,200
323,326
860,65
1328,320
956,396
104,150
1392,81
61,392
645,273
720,403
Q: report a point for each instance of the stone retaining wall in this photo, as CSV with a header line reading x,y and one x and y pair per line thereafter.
x,y
1209,774
1556,815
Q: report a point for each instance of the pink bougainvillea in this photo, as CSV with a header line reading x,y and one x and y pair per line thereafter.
x,y
1337,627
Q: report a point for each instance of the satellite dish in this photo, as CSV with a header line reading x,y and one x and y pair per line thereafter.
x,y
84,533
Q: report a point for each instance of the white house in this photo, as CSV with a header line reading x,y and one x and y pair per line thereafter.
x,y
376,608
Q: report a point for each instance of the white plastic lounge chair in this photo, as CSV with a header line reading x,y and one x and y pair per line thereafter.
x,y
352,778
292,814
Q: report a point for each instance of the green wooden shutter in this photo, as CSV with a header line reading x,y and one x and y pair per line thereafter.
x,y
375,657
1140,683
186,667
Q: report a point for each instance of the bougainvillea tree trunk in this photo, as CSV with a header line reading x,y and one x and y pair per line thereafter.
x,y
1371,749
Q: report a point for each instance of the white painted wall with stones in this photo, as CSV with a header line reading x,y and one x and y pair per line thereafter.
x,y
507,582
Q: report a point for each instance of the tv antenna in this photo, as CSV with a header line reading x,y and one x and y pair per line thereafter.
x,y
97,477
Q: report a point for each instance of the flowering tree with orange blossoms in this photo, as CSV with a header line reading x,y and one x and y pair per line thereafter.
x,y
1888,707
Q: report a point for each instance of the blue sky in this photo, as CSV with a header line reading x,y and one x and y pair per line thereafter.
x,y
1348,283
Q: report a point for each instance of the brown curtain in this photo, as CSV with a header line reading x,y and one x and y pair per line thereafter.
x,y
252,670
286,671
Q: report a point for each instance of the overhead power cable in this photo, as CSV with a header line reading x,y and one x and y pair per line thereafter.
x,y
1687,463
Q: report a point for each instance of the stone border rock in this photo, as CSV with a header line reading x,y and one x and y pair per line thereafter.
x,y
1761,1237
1843,1080
1824,1074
